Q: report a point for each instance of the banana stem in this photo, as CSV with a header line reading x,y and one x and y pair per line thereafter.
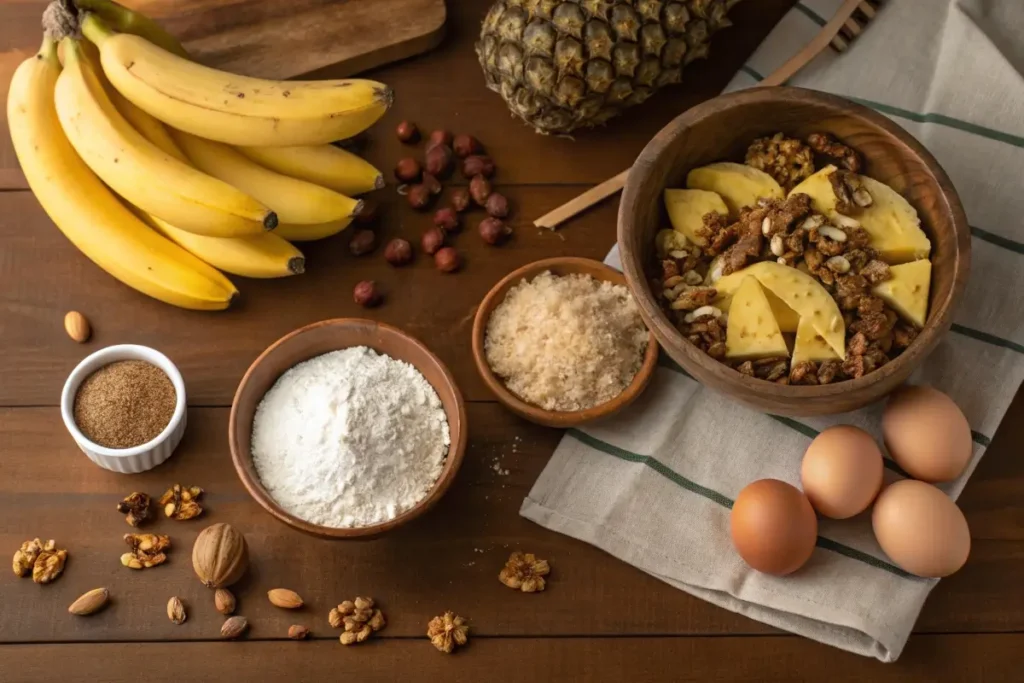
x,y
95,29
126,20
48,50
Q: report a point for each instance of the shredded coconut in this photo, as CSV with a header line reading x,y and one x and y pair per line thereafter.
x,y
350,438
566,343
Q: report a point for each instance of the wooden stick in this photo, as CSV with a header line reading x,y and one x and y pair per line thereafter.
x,y
599,193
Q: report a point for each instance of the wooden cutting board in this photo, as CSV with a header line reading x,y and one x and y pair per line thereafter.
x,y
288,38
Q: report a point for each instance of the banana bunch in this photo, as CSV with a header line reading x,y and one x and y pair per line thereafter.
x,y
165,172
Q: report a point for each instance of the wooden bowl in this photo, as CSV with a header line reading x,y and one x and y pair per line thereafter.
x,y
720,130
323,337
551,418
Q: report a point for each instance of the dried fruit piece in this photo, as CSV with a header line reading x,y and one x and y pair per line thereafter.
x,y
233,627
137,508
465,145
407,132
439,137
298,632
182,503
447,632
477,165
367,212
176,611
447,219
90,603
398,252
408,170
479,190
365,293
49,564
224,601
496,205
439,160
460,199
447,260
220,556
432,184
77,326
418,197
525,572
432,240
147,550
26,556
362,242
284,598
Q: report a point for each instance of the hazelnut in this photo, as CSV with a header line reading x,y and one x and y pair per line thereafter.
x,y
367,212
432,240
496,205
477,165
439,160
493,230
447,260
407,132
363,242
432,184
460,199
479,190
398,252
408,170
447,219
418,197
464,145
439,137
366,294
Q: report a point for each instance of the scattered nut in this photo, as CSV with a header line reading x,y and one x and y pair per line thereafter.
x,y
367,212
25,557
493,230
90,603
176,611
447,219
447,632
181,503
77,326
525,572
284,598
408,170
298,632
834,234
407,132
447,260
418,197
460,199
465,145
334,618
359,618
49,565
477,165
496,205
233,627
777,246
365,294
432,184
362,242
479,190
398,252
439,160
432,240
838,264
439,137
137,507
377,621
224,601
147,550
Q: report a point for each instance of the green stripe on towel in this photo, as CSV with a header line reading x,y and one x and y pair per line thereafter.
x,y
997,240
810,14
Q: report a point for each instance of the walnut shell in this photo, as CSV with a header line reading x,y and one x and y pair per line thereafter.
x,y
220,556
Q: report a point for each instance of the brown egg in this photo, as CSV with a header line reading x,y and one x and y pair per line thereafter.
x,y
921,529
842,471
773,527
926,433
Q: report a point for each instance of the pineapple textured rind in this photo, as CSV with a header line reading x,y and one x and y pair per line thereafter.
x,y
567,64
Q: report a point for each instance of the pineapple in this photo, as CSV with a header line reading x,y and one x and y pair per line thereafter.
x,y
568,64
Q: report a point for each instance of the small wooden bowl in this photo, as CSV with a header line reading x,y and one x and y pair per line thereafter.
x,y
551,418
314,340
720,130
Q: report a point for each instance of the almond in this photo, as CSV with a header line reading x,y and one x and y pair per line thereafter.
x,y
284,598
224,601
233,627
176,611
77,326
298,632
90,603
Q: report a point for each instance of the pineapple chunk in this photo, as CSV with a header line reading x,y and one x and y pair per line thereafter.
x,y
907,290
686,209
891,221
786,317
810,345
738,184
752,332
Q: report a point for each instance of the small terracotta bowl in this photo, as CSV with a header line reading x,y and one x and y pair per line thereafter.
x,y
550,418
324,337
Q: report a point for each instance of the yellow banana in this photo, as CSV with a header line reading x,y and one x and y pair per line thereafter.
x,y
237,110
293,200
325,165
139,171
87,212
126,20
260,256
294,232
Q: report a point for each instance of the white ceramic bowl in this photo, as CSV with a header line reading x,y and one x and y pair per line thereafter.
x,y
126,460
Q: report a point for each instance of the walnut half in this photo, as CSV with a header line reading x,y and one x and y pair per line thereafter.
x,y
182,503
447,632
525,572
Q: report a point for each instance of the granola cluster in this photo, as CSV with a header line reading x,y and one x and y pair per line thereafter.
x,y
788,160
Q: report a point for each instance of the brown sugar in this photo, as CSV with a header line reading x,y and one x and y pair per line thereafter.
x,y
124,404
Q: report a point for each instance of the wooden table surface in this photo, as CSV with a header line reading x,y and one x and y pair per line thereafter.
x,y
600,619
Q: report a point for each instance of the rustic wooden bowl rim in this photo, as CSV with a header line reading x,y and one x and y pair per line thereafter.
x,y
733,382
456,450
552,418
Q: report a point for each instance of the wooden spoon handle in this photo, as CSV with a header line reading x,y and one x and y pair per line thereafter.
x,y
599,193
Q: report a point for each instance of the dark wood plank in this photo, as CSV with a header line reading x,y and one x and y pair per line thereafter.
x,y
450,557
931,659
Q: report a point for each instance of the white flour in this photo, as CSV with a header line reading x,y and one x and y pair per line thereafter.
x,y
350,438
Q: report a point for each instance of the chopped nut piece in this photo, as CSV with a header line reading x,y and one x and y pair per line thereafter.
x,y
26,556
903,335
746,368
377,621
447,632
857,346
49,563
346,608
786,159
801,371
692,298
716,232
137,507
667,241
743,253
147,550
828,146
525,572
182,503
828,371
876,271
334,618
